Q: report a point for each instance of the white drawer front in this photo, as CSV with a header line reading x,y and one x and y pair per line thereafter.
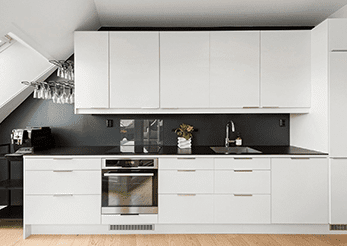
x,y
185,163
190,209
129,219
242,181
62,163
76,209
242,163
186,181
230,209
58,182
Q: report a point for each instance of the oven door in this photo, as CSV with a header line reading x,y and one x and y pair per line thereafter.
x,y
129,191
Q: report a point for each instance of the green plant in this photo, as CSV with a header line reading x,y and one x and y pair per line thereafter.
x,y
185,131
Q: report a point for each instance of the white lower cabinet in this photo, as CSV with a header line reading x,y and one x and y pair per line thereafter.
x,y
62,209
300,190
186,209
242,209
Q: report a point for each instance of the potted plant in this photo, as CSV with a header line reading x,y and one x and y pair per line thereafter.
x,y
184,134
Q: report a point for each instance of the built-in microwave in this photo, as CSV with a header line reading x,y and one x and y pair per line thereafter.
x,y
130,186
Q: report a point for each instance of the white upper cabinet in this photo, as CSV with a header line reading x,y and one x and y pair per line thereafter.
x,y
134,69
91,70
338,102
234,69
285,68
337,35
184,69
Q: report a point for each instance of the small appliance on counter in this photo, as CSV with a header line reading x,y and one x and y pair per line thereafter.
x,y
24,141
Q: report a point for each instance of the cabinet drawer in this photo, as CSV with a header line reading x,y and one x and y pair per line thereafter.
x,y
232,209
242,163
75,209
129,219
186,163
187,209
58,182
242,181
186,181
62,163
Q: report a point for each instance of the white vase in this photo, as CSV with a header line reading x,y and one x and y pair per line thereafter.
x,y
183,143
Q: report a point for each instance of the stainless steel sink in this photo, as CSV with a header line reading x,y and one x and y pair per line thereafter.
x,y
235,150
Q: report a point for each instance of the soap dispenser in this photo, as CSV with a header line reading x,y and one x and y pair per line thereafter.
x,y
238,140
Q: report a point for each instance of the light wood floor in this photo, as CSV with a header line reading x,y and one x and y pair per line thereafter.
x,y
13,236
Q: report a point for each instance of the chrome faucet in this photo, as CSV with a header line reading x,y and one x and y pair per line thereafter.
x,y
227,140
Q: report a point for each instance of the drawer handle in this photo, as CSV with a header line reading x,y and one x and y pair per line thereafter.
x,y
129,214
243,171
62,159
62,171
250,107
299,158
63,195
242,158
243,195
186,194
186,170
186,158
270,107
338,158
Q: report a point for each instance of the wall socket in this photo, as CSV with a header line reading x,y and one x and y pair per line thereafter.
x,y
282,122
109,123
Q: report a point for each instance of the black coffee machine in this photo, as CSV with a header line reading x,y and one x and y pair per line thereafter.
x,y
32,138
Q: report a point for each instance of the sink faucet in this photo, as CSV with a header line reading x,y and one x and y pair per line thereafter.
x,y
227,140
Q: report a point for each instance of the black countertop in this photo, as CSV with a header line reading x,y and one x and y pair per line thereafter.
x,y
171,150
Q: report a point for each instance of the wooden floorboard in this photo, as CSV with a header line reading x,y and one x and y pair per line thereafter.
x,y
14,237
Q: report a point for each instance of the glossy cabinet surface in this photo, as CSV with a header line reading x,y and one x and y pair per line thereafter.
x,y
285,69
338,100
299,190
234,69
184,69
134,69
91,70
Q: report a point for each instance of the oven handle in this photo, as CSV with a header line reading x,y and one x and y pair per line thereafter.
x,y
128,174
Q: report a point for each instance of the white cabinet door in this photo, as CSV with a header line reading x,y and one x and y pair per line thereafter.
x,y
68,209
234,69
285,68
91,70
338,101
185,209
300,190
338,172
134,69
337,34
242,209
184,69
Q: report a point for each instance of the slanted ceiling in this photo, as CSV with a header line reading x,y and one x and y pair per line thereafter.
x,y
47,27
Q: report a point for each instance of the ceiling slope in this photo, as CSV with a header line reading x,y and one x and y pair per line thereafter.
x,y
212,13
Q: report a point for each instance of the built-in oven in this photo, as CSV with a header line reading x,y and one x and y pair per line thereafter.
x,y
130,186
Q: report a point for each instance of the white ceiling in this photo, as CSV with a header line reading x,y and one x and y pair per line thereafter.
x,y
209,13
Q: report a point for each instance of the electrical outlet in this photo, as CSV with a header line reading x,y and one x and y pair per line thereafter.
x,y
282,122
109,123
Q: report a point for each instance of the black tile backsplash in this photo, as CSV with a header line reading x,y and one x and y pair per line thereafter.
x,y
82,130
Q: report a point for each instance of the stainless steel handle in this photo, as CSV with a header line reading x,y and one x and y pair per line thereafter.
x,y
128,174
250,107
63,195
99,107
186,170
338,50
339,158
62,171
62,159
243,171
299,158
243,195
149,107
186,194
242,158
186,158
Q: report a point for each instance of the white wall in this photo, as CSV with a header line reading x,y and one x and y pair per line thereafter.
x,y
311,130
48,25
